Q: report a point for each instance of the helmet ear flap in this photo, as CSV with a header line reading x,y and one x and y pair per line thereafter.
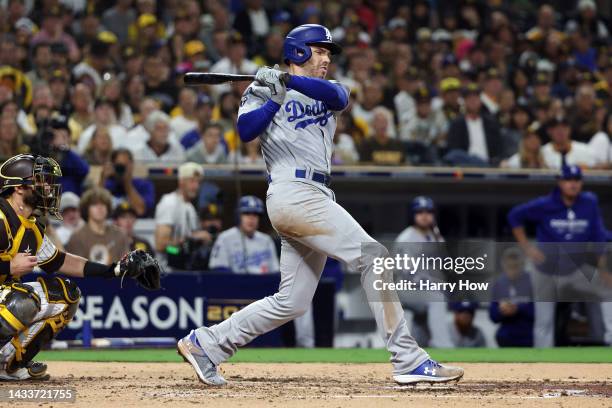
x,y
297,53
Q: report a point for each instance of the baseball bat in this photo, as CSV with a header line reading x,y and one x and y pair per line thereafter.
x,y
212,78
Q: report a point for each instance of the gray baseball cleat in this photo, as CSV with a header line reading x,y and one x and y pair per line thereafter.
x,y
189,348
32,370
432,372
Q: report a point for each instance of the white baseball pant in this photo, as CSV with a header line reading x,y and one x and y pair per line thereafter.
x,y
313,226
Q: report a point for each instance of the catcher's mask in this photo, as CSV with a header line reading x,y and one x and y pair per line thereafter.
x,y
41,173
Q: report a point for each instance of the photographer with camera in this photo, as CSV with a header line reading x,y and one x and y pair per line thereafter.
x,y
198,251
117,177
176,220
53,140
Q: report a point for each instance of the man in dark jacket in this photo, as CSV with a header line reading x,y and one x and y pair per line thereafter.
x,y
474,138
570,237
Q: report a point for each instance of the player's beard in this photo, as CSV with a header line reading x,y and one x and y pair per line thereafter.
x,y
31,199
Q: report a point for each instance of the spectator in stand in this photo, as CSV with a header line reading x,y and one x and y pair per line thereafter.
x,y
371,100
134,93
529,155
248,153
124,217
512,306
211,220
40,111
118,178
235,62
209,149
253,22
41,63
512,134
587,21
91,69
11,142
272,52
203,114
100,147
601,144
583,118
58,85
119,18
82,104
97,240
541,89
184,118
545,26
426,130
104,117
562,150
71,217
463,332
195,56
176,219
380,148
157,81
138,135
74,168
111,91
146,31
345,151
160,147
491,91
450,88
474,138
52,30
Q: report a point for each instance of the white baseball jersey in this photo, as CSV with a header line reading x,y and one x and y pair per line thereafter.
x,y
301,133
241,254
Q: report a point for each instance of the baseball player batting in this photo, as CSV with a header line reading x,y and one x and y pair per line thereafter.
x,y
295,118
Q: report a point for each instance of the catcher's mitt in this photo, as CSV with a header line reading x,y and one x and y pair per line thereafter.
x,y
141,267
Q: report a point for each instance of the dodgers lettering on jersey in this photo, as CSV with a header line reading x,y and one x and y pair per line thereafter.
x,y
300,134
240,254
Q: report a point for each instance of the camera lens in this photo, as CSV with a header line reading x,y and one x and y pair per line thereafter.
x,y
119,169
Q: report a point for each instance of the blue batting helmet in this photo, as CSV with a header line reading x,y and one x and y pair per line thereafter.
x,y
421,203
250,204
296,47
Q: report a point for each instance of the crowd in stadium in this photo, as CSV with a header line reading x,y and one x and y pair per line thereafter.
x,y
479,83
98,84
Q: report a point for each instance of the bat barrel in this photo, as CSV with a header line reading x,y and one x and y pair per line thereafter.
x,y
212,78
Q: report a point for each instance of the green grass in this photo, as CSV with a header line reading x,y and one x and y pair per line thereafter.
x,y
259,355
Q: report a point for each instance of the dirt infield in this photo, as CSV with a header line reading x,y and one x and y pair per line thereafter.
x,y
326,385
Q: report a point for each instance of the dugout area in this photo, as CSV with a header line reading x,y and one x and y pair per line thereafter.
x,y
332,378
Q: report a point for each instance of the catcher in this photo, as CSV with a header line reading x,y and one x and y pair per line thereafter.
x,y
32,313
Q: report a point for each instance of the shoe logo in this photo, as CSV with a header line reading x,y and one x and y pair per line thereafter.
x,y
432,371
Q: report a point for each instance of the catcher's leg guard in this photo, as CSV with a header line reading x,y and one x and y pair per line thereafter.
x,y
59,303
19,305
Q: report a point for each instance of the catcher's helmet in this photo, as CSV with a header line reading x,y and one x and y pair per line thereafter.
x,y
251,205
41,173
422,203
296,47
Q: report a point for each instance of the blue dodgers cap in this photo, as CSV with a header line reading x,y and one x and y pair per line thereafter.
x,y
421,203
570,173
464,306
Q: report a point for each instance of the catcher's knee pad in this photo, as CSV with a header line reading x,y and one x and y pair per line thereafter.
x,y
58,291
19,305
62,290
